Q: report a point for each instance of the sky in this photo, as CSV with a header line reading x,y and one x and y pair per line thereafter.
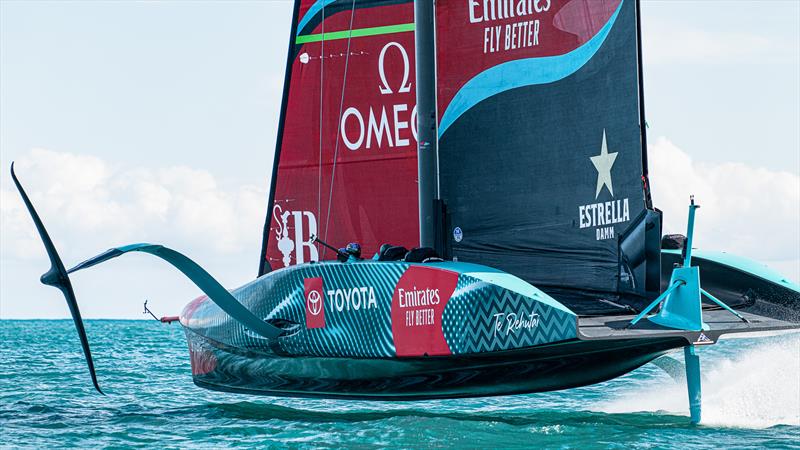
x,y
156,122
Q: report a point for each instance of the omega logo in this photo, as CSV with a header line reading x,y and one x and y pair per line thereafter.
x,y
405,86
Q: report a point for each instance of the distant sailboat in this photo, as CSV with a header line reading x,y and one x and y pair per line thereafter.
x,y
503,142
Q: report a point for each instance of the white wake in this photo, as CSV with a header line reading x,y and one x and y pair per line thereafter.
x,y
758,388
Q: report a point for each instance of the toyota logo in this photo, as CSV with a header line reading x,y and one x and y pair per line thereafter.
x,y
314,303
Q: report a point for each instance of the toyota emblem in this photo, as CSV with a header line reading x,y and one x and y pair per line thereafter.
x,y
314,303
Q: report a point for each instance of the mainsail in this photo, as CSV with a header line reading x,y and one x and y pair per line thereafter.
x,y
345,163
541,160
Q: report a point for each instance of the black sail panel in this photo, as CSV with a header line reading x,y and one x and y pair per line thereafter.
x,y
540,150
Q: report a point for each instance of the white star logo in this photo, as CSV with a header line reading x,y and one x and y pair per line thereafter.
x,y
603,163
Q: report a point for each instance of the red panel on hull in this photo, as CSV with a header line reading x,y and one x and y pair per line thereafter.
x,y
418,302
315,304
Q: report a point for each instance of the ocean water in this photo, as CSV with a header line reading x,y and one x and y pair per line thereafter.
x,y
751,396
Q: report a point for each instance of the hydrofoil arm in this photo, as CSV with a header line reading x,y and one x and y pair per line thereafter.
x,y
58,277
210,286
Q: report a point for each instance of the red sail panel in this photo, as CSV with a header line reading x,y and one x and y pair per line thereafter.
x,y
346,156
482,34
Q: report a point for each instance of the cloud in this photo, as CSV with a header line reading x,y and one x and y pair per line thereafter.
x,y
669,43
750,211
89,204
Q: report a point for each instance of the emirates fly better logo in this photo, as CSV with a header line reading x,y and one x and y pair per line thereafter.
x,y
315,304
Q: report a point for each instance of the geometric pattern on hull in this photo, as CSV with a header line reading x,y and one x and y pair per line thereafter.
x,y
484,317
357,313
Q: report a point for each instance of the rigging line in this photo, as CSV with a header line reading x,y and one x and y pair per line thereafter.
x,y
338,122
321,91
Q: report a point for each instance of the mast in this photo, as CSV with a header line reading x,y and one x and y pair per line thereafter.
x,y
427,153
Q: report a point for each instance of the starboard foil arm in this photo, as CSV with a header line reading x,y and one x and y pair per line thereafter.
x,y
202,279
58,277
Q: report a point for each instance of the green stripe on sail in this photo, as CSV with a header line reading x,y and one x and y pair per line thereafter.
x,y
360,32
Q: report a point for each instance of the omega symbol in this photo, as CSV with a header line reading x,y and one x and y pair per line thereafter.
x,y
405,86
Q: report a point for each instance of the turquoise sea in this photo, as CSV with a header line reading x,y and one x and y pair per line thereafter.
x,y
751,399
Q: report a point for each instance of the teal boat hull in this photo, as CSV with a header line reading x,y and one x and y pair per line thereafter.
x,y
396,330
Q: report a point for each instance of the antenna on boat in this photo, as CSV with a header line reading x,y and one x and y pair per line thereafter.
x,y
164,319
147,311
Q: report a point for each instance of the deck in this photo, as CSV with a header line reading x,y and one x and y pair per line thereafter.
x,y
720,322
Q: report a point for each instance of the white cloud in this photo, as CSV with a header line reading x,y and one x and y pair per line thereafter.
x,y
749,211
697,46
89,204
670,43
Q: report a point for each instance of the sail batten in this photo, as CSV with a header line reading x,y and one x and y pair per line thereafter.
x,y
360,32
